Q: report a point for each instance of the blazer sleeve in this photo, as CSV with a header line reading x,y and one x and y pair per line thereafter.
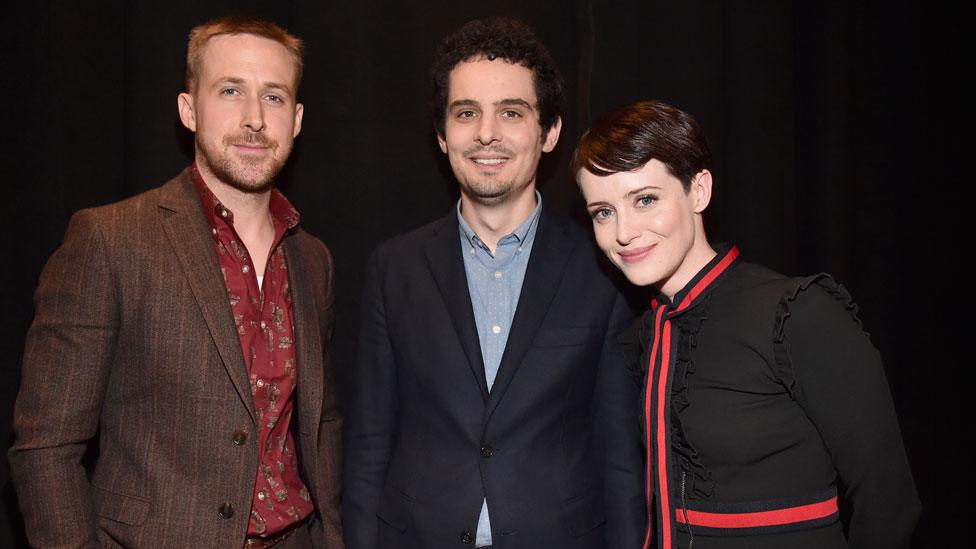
x,y
618,432
840,383
330,426
371,415
67,360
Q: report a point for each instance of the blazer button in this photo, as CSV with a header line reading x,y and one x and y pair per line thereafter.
x,y
225,511
466,537
487,451
239,438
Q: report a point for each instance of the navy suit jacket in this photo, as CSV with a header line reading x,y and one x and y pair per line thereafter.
x,y
555,445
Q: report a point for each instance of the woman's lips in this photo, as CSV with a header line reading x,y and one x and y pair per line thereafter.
x,y
636,255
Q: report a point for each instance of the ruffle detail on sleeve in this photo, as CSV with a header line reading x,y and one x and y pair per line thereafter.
x,y
781,349
701,485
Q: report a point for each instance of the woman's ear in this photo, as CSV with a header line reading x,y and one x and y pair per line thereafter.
x,y
701,190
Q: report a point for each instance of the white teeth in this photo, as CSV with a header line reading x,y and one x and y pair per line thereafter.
x,y
488,161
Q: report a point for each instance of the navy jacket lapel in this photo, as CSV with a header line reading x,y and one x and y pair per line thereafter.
x,y
550,253
189,235
444,255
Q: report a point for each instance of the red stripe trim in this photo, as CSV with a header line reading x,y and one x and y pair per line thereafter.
x,y
789,515
662,436
718,269
648,392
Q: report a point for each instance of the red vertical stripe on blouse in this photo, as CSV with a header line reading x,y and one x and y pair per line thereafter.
x,y
648,392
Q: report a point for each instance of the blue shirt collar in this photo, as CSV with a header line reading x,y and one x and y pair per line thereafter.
x,y
521,233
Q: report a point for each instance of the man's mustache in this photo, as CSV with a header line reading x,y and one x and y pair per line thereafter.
x,y
250,139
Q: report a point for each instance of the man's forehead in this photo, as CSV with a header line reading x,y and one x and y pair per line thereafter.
x,y
239,56
491,82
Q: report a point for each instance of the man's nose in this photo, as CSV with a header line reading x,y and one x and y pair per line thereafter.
x,y
253,116
487,130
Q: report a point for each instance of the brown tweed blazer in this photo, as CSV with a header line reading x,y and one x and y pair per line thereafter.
x,y
133,338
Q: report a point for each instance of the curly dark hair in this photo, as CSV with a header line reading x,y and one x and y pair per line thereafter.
x,y
504,38
628,137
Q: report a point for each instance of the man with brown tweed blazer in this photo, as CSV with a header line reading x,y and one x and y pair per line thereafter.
x,y
189,326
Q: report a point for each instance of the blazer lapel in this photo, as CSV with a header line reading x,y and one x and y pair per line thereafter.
x,y
550,252
308,342
444,255
189,235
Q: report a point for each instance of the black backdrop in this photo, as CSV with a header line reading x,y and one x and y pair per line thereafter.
x,y
831,125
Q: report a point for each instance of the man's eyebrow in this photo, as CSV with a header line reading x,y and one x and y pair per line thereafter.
x,y
267,85
463,103
277,86
515,103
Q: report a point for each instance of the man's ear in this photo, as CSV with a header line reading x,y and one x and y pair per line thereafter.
x,y
184,102
299,112
552,136
441,141
701,190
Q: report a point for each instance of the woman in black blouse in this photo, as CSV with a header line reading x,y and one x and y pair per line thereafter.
x,y
763,399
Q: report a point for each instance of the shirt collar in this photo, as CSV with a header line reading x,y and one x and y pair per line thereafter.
x,y
281,209
705,279
521,233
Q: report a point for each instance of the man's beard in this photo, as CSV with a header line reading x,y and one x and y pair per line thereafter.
x,y
245,173
487,190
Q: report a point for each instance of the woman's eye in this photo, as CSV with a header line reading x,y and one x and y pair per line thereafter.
x,y
601,214
646,201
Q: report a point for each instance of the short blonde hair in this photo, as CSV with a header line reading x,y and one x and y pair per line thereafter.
x,y
236,24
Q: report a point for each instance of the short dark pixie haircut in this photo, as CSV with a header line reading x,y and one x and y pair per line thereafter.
x,y
498,38
628,137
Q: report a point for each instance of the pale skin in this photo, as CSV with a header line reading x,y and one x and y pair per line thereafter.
x,y
493,140
244,112
649,226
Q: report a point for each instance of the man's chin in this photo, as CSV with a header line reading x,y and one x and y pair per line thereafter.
x,y
251,181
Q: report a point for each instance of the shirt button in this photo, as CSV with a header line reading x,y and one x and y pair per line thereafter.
x,y
496,329
224,213
214,231
262,495
260,383
239,438
225,511
487,451
498,274
263,325
466,537
246,269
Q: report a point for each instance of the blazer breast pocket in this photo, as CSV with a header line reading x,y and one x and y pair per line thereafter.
x,y
395,509
120,508
563,337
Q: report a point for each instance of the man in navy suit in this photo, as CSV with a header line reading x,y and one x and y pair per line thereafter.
x,y
490,407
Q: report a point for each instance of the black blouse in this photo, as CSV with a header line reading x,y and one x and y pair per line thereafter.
x,y
763,397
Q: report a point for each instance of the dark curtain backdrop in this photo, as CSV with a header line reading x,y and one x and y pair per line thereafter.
x,y
830,124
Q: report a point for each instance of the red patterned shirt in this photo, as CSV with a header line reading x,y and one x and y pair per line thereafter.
x,y
263,315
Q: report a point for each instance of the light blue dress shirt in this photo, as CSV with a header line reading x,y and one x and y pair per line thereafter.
x,y
495,283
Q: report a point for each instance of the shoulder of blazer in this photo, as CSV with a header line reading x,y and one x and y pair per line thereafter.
x,y
412,243
172,195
